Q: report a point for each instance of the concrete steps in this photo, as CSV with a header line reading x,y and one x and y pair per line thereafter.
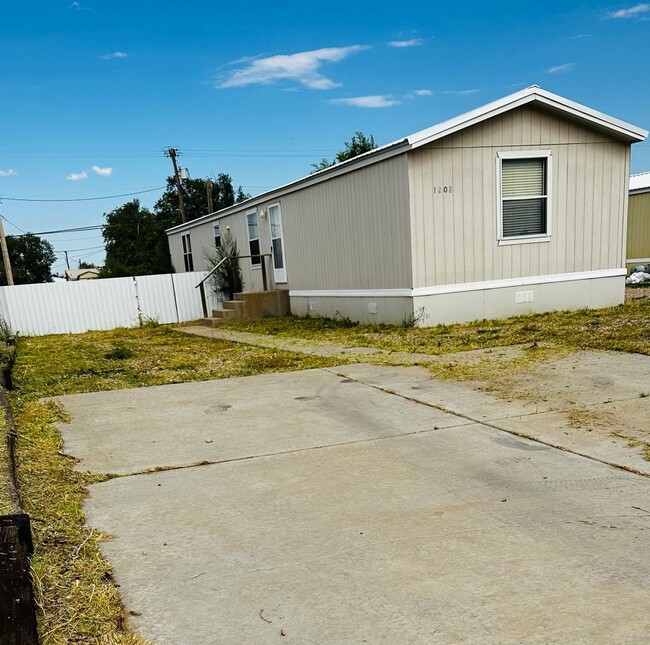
x,y
250,305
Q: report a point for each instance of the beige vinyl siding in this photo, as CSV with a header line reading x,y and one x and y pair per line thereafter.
x,y
454,235
638,227
351,232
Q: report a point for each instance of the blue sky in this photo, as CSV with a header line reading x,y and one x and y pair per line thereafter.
x,y
94,90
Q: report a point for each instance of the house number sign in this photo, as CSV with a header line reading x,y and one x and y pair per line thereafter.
x,y
437,190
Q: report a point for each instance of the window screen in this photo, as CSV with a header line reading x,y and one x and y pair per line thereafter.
x,y
524,195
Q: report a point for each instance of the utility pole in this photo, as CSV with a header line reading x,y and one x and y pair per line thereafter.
x,y
208,188
67,261
171,153
5,254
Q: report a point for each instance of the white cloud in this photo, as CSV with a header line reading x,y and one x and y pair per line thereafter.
x,y
376,101
74,6
76,176
8,173
104,172
579,36
461,92
560,69
302,67
631,12
411,95
114,55
413,42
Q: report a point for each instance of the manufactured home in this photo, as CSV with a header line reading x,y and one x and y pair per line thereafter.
x,y
516,207
638,224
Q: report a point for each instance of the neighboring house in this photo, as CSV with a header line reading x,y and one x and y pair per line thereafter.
x,y
638,221
518,206
81,274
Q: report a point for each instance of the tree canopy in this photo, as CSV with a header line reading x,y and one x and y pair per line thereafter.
x,y
356,146
31,259
136,243
195,197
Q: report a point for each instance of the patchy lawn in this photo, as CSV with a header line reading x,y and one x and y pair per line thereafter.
x,y
78,601
625,328
77,598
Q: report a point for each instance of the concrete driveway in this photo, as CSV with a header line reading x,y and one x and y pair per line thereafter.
x,y
319,507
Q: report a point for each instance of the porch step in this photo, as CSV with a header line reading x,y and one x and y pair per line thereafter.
x,y
251,305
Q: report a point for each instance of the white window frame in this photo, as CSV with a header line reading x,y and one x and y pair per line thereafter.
x,y
216,233
259,243
525,154
284,251
188,260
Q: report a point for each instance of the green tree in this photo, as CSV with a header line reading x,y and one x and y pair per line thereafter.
x,y
86,265
195,198
31,259
356,146
136,243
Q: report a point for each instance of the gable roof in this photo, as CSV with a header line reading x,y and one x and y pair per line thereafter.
x,y
640,183
533,95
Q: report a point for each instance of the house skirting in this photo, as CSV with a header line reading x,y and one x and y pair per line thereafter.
x,y
465,302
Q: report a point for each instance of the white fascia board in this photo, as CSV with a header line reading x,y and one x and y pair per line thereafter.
x,y
532,94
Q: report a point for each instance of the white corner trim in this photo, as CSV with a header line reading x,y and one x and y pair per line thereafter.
x,y
519,282
462,287
352,293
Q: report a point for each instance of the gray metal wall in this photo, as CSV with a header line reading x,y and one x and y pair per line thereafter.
x,y
454,235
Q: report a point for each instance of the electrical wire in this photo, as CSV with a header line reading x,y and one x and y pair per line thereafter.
x,y
80,199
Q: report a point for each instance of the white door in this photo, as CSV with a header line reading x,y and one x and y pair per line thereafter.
x,y
277,244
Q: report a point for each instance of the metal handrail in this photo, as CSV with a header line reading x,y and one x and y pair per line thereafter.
x,y
201,286
212,270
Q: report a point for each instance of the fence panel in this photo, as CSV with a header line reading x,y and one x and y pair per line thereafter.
x,y
188,297
72,307
156,298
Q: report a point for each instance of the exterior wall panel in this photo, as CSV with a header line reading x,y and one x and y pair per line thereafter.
x,y
638,229
454,234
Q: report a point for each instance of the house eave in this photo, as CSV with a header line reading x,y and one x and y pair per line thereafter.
x,y
615,127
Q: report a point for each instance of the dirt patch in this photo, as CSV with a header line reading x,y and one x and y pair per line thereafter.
x,y
605,395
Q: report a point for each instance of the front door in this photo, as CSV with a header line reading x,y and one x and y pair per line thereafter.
x,y
277,244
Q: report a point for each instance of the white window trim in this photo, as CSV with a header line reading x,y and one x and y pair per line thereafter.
x,y
525,154
254,212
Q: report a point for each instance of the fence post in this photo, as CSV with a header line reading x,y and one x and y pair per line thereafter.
x,y
204,303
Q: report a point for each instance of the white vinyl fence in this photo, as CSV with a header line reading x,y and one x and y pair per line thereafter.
x,y
72,307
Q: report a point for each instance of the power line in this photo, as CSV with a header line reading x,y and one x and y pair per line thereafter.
x,y
81,199
79,229
14,225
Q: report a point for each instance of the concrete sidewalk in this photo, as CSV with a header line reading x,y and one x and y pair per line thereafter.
x,y
335,509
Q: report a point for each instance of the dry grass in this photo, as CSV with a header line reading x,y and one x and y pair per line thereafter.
x,y
7,504
624,328
77,598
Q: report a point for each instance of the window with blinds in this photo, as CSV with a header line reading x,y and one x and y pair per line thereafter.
x,y
524,197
